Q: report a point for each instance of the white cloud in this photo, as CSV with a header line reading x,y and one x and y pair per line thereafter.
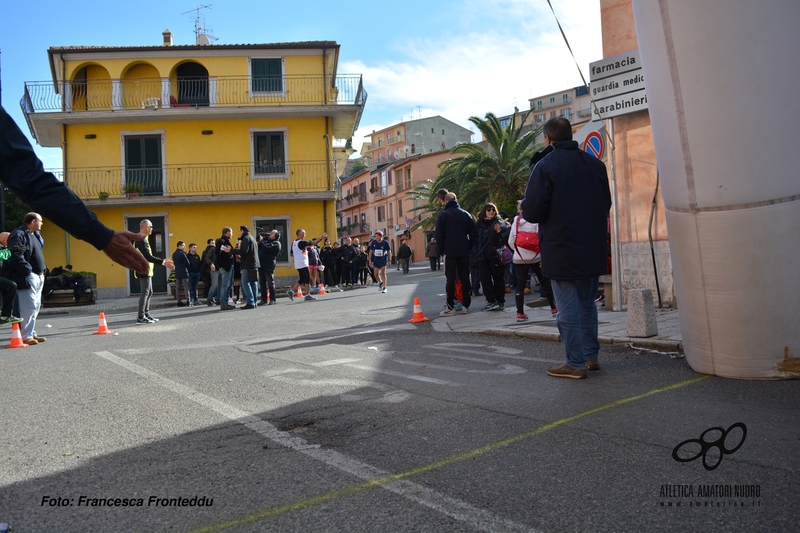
x,y
516,54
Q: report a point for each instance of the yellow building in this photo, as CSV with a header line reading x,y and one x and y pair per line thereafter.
x,y
195,138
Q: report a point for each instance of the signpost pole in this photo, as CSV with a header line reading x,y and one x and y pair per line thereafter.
x,y
616,256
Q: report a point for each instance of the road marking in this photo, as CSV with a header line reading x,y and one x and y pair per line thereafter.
x,y
506,369
507,353
426,379
374,477
335,362
392,481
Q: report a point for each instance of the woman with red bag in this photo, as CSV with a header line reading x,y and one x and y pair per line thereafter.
x,y
524,240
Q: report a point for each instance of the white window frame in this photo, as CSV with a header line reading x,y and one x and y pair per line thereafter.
x,y
285,173
252,93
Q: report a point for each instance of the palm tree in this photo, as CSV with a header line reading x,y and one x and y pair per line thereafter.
x,y
498,174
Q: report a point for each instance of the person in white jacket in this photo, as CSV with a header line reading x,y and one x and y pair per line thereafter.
x,y
526,261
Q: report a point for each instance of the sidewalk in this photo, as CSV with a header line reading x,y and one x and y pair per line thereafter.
x,y
612,326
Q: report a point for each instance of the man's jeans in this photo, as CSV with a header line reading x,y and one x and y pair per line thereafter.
x,y
194,279
30,301
225,285
250,288
145,292
577,319
213,291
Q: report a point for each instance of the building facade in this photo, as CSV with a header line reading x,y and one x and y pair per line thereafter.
x,y
422,136
195,138
381,198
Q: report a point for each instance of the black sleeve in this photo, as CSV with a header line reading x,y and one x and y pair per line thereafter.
x,y
23,173
147,255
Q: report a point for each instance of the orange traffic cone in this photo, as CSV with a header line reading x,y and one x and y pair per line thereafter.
x,y
418,316
299,292
322,290
16,338
102,328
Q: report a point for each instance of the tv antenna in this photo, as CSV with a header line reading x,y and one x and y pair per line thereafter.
x,y
202,33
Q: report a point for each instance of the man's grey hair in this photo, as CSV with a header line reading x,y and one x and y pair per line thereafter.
x,y
449,197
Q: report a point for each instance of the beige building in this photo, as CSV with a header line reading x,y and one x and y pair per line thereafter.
x,y
422,136
380,198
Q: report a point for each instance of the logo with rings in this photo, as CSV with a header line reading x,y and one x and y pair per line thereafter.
x,y
685,451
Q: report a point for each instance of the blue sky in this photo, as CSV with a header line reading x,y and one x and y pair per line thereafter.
x,y
454,58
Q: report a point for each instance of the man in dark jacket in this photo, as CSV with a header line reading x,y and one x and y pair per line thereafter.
x,y
348,256
248,253
404,254
456,234
224,266
268,250
208,272
194,272
26,268
569,197
181,273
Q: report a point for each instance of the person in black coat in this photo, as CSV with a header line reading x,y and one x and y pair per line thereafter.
x,y
456,234
569,197
492,234
268,249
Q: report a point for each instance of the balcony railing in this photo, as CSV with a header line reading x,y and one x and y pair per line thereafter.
x,y
213,91
198,180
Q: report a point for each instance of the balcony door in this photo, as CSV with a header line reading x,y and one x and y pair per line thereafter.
x,y
192,84
143,164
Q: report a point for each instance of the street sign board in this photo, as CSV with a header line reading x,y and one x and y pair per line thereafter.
x,y
593,144
617,86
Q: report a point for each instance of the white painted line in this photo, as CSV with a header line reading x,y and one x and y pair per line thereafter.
x,y
335,362
504,354
401,375
473,516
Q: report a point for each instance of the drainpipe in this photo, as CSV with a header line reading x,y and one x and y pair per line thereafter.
x,y
324,77
328,145
64,149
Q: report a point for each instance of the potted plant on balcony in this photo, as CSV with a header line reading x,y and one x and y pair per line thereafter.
x,y
103,195
132,190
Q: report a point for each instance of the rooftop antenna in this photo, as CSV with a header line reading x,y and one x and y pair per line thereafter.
x,y
202,32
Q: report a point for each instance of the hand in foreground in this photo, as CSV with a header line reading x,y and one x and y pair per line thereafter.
x,y
120,251
169,264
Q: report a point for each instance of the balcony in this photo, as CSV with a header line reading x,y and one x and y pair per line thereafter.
x,y
397,139
48,105
200,183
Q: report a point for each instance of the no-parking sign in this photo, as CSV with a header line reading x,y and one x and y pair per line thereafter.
x,y
593,144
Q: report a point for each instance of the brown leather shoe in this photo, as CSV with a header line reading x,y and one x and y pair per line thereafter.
x,y
39,339
31,341
566,371
592,365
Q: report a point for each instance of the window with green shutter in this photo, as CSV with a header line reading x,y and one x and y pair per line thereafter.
x,y
267,75
268,149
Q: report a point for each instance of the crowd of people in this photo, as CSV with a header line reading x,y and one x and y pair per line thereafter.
x,y
558,234
243,272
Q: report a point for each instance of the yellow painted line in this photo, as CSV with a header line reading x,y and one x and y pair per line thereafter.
x,y
386,480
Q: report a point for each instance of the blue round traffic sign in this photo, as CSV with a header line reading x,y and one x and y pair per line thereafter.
x,y
593,144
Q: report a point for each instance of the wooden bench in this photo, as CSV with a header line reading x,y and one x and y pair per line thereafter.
x,y
66,298
171,290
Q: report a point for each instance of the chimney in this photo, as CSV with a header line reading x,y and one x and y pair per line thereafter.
x,y
167,37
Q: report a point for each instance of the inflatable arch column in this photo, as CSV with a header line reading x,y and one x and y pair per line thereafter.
x,y
722,78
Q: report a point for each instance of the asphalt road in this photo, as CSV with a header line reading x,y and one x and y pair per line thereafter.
x,y
340,415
